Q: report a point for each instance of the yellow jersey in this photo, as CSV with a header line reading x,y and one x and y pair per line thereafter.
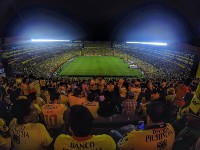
x,y
195,103
53,115
151,139
73,100
93,107
95,142
37,108
63,99
30,136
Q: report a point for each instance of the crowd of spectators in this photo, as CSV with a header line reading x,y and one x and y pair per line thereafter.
x,y
40,59
170,61
53,113
99,51
40,112
153,61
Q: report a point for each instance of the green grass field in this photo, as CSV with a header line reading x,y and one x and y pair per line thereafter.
x,y
99,65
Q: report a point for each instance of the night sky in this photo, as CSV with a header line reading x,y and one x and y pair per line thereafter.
x,y
122,20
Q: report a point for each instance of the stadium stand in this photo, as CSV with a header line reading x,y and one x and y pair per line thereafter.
x,y
171,61
23,97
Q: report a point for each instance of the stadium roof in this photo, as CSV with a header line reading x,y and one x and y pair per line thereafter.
x,y
102,19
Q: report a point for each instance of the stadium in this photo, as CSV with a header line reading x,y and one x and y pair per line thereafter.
x,y
99,78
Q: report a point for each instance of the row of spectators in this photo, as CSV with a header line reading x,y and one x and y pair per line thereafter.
x,y
39,113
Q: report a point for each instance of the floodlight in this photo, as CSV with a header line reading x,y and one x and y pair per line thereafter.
x,y
149,43
48,40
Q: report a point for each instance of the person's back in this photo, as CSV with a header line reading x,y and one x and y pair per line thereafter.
x,y
80,125
104,142
54,112
106,108
24,133
74,100
53,115
31,136
156,136
77,98
92,105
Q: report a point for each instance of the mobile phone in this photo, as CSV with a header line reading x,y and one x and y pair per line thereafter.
x,y
140,125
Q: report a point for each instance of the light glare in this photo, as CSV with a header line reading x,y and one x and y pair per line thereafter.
x,y
149,43
48,40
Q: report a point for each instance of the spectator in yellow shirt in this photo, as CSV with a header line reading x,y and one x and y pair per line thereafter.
x,y
92,105
77,98
157,135
24,133
80,125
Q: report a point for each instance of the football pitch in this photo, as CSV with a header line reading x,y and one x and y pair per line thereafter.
x,y
98,66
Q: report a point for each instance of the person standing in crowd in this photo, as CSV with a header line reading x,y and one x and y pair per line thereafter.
x,y
25,133
136,89
181,91
188,137
129,105
80,125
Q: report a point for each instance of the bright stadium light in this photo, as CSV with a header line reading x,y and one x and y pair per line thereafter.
x,y
149,43
48,40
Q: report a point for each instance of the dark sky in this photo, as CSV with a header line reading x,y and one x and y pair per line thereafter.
x,y
152,20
